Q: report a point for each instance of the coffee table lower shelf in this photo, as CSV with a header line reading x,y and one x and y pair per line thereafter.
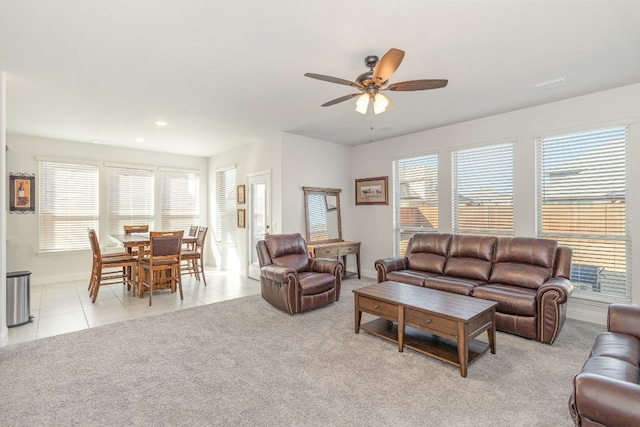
x,y
424,342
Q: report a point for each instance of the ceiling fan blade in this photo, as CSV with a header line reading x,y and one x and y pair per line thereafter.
x,y
418,85
387,65
341,99
333,80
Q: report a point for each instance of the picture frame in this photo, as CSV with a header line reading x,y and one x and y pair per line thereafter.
x,y
22,193
372,191
242,218
242,194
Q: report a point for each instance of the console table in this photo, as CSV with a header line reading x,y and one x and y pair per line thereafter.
x,y
337,250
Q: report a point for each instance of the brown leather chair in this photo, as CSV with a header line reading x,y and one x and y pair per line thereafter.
x,y
293,282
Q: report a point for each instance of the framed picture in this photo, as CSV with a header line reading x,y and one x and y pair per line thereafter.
x,y
372,191
242,218
242,195
22,193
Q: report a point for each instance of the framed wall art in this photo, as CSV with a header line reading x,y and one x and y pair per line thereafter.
x,y
242,195
372,191
242,218
22,193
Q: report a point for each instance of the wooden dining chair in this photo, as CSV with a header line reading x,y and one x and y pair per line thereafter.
x,y
160,268
192,257
108,269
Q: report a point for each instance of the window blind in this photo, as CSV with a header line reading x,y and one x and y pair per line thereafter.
x,y
582,195
226,206
483,190
68,205
180,199
415,195
129,198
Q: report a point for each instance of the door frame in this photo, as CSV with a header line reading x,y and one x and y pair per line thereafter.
x,y
253,269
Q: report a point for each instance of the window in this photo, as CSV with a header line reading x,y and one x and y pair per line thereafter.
x,y
129,198
68,205
180,192
415,198
226,206
483,190
582,195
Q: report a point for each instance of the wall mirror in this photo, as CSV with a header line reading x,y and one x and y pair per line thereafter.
x,y
322,212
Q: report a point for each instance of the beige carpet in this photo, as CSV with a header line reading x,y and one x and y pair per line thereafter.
x,y
242,362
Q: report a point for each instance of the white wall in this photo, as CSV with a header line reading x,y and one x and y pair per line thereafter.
x,y
22,230
259,156
617,106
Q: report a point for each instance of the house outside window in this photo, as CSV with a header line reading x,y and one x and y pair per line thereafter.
x,y
415,199
582,198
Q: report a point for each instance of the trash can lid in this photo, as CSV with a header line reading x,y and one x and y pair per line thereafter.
x,y
18,274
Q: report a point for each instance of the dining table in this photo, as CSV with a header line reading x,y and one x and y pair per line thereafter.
x,y
141,241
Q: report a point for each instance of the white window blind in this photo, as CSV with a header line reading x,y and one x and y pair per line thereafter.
x,y
415,196
129,198
483,190
226,206
68,205
582,195
180,199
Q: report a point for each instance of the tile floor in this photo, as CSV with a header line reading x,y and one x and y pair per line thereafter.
x,y
66,307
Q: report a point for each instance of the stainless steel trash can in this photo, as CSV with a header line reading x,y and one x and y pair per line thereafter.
x,y
18,298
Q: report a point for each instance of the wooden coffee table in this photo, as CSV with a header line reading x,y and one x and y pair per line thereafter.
x,y
439,324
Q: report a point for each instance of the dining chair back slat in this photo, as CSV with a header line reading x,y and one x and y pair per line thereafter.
x,y
161,266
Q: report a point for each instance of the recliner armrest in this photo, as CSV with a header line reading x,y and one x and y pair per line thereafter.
x,y
387,265
625,319
320,265
606,400
563,286
277,273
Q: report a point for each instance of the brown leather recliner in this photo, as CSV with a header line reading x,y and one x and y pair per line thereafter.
x,y
606,392
293,282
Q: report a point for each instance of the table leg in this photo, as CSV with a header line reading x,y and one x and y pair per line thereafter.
x,y
463,348
492,334
400,328
358,313
358,263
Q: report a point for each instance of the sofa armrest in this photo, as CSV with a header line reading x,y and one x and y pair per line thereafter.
x,y
625,319
387,265
562,286
552,310
277,273
606,401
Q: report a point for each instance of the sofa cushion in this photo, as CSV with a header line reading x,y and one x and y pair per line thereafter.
x,y
525,262
470,257
451,284
315,283
428,252
511,299
411,277
619,346
611,367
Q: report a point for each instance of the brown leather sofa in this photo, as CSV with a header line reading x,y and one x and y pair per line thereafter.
x,y
527,277
606,392
293,282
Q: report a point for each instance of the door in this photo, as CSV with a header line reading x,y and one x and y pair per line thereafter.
x,y
259,212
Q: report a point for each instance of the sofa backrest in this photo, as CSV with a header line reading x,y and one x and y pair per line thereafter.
x,y
470,257
523,261
428,252
288,250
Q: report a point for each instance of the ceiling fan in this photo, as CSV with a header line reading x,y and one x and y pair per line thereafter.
x,y
376,80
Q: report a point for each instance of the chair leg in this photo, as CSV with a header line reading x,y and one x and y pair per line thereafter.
x,y
204,278
150,285
179,280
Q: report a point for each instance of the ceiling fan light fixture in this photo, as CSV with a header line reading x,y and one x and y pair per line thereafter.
x,y
362,104
380,103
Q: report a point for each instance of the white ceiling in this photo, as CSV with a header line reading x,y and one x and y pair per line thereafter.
x,y
224,74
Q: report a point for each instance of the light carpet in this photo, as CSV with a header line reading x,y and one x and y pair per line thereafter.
x,y
244,363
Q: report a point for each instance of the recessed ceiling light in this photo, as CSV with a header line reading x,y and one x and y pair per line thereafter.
x,y
161,123
139,139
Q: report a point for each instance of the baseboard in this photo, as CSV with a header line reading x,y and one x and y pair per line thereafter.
x,y
47,280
